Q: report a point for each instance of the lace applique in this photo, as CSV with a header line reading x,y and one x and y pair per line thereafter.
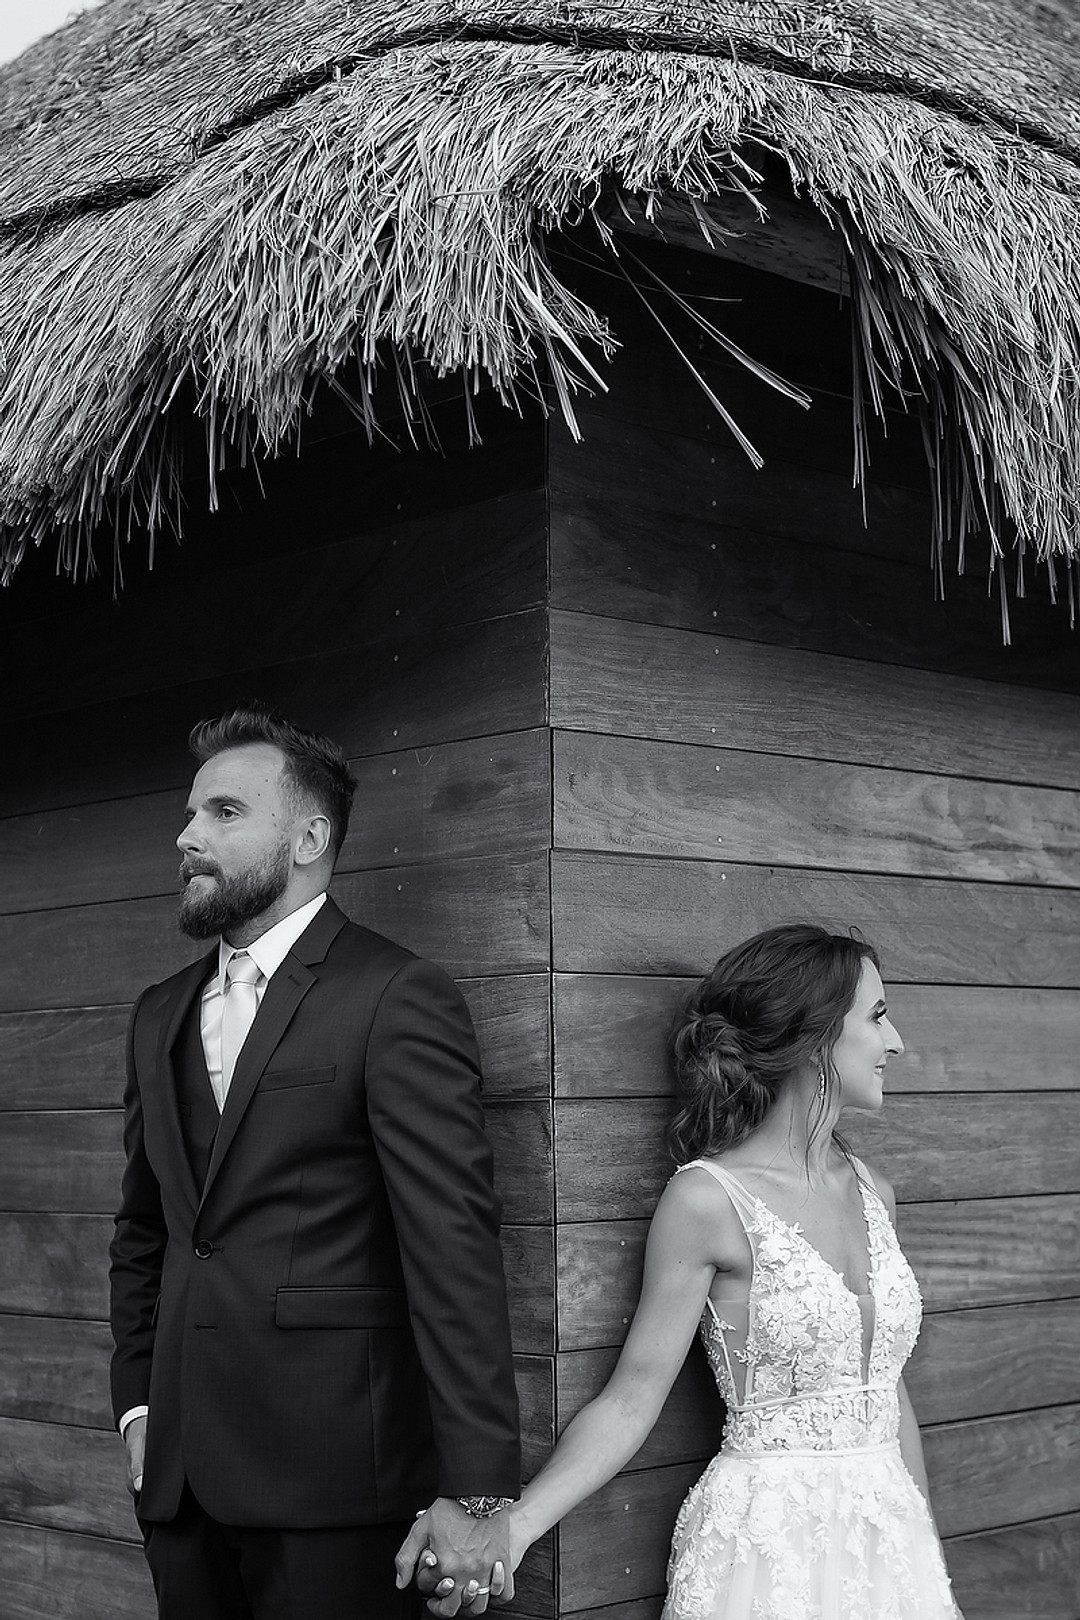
x,y
808,1512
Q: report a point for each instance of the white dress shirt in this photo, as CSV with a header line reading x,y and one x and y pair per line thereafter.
x,y
267,952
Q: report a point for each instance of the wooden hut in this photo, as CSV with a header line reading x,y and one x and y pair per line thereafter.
x,y
400,340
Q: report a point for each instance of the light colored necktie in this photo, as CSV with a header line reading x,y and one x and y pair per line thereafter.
x,y
241,1004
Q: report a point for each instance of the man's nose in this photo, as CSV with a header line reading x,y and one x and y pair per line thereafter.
x,y
188,841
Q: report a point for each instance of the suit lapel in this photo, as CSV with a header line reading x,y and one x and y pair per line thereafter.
x,y
286,990
177,1009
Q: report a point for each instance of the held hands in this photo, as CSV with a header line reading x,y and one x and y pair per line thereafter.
x,y
460,1562
135,1441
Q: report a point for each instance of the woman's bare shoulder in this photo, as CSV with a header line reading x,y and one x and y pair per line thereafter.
x,y
697,1205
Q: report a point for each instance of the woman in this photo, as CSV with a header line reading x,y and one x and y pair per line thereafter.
x,y
776,1244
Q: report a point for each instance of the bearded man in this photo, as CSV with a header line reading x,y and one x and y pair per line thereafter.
x,y
308,1302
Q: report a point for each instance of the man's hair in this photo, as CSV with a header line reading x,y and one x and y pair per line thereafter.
x,y
316,771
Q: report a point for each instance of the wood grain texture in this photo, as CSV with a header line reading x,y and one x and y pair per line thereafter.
x,y
413,805
681,563
611,1036
992,1251
613,1160
512,1017
1002,1358
70,1057
407,691
49,1575
637,1609
615,914
633,796
1023,1572
987,1251
529,1264
73,1057
1027,1465
65,1478
610,675
452,566
55,1265
55,1371
474,917
520,1133
615,1545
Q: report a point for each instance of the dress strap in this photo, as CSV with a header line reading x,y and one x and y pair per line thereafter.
x,y
744,1203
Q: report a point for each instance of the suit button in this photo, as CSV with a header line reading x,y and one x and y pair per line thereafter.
x,y
204,1249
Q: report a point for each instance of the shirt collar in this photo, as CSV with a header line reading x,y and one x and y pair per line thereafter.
x,y
270,949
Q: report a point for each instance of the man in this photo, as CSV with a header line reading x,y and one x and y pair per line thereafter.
x,y
307,1292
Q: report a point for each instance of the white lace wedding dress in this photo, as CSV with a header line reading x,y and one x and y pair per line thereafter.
x,y
808,1511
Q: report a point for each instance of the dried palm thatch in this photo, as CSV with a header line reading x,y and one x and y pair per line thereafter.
x,y
234,198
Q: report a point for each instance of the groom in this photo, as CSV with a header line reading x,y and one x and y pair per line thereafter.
x,y
307,1292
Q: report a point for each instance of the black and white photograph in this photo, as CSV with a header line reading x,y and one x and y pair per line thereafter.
x,y
539,809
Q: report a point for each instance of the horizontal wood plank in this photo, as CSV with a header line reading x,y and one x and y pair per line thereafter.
x,y
71,1162
58,1265
637,1609
616,914
55,1265
1003,1470
68,1057
634,796
55,1371
407,691
50,1575
614,1547
988,1251
610,675
452,566
678,560
611,1034
475,917
1002,1358
1023,1572
614,1162
73,1057
413,805
65,1478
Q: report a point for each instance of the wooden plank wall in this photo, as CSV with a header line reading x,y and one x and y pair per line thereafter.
x,y
760,713
394,599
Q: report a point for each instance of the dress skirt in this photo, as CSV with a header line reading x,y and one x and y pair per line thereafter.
x,y
807,1536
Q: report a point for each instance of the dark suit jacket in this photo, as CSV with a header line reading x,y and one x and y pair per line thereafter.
x,y
321,1332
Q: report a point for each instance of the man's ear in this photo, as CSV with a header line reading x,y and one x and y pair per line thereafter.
x,y
314,840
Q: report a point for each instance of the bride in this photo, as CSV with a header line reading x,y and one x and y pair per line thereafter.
x,y
775,1244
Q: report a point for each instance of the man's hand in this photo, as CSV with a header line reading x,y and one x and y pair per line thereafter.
x,y
457,1570
135,1441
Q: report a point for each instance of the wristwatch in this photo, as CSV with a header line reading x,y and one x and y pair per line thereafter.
x,y
484,1507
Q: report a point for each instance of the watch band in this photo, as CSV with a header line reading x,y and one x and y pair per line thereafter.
x,y
484,1507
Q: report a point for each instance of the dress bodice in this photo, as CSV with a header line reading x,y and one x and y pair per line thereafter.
x,y
816,1366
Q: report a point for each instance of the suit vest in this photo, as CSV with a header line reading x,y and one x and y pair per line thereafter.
x,y
199,1117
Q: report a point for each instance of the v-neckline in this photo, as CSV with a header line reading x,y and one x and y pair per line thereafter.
x,y
793,1226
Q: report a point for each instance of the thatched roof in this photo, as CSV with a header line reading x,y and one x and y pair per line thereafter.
x,y
223,200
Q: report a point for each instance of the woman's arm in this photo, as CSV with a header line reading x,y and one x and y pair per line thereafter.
x,y
685,1247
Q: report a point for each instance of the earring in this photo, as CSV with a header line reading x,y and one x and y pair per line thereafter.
x,y
822,1083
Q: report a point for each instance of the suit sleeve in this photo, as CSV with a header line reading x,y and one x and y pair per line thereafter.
x,y
423,1090
136,1253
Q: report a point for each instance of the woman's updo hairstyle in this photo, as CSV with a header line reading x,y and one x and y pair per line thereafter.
x,y
773,1003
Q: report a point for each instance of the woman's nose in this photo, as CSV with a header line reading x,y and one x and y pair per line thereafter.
x,y
892,1038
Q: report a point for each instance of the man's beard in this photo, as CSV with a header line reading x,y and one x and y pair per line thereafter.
x,y
233,901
